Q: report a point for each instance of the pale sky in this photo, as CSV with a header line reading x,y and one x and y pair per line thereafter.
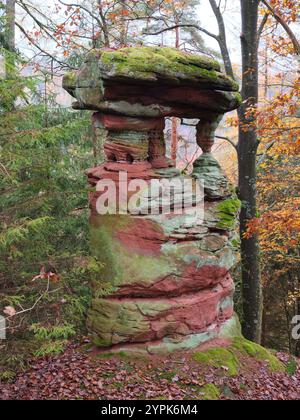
x,y
232,22
206,19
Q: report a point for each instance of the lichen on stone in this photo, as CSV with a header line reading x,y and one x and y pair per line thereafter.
x,y
208,170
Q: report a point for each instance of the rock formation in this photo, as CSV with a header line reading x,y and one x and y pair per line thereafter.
x,y
164,281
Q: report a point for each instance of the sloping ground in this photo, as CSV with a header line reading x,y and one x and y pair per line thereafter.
x,y
242,371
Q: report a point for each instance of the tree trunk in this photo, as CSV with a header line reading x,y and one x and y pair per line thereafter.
x,y
174,135
10,47
10,35
174,140
104,28
247,155
10,31
123,29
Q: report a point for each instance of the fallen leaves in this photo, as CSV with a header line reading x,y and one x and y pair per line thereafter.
x,y
77,375
9,311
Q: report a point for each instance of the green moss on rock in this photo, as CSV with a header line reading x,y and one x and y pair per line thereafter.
x,y
114,323
109,268
69,79
151,63
121,266
259,353
230,358
238,97
227,212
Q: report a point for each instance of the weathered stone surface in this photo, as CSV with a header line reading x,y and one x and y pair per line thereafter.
x,y
121,123
209,170
164,281
146,320
151,64
152,82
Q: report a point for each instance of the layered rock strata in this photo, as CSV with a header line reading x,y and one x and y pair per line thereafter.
x,y
164,280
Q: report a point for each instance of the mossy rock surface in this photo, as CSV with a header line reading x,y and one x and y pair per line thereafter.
x,y
230,358
259,353
227,212
152,64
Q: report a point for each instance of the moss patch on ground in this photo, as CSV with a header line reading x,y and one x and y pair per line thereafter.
x,y
259,353
219,358
210,393
230,359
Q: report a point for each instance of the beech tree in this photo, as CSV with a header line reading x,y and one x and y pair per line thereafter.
x,y
247,155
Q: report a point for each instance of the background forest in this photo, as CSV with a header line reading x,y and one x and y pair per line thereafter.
x,y
45,148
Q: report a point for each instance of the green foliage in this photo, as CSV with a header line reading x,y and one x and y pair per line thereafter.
x,y
7,376
52,347
44,152
292,367
54,332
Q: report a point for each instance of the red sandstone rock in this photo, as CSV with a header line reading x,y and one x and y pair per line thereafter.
x,y
164,279
190,280
119,122
136,168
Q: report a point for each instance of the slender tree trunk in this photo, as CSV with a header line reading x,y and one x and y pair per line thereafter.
x,y
10,35
10,32
123,31
104,25
247,155
297,348
174,140
174,135
264,327
286,27
10,46
266,86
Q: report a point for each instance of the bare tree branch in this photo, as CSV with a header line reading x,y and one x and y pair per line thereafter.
x,y
262,25
222,39
33,306
61,63
171,28
234,145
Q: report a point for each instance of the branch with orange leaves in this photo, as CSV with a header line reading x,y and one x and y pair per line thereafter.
x,y
285,26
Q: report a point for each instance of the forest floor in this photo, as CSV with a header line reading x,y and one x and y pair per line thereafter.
x,y
79,374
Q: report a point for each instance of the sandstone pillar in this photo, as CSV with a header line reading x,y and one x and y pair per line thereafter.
x,y
164,281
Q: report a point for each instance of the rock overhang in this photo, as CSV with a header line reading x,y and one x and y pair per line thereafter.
x,y
152,82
